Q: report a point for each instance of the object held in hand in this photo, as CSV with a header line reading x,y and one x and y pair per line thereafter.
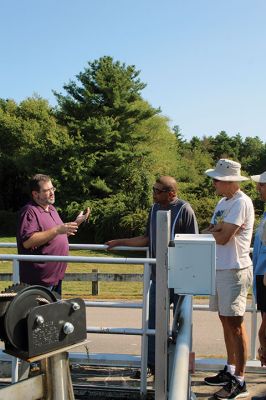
x,y
83,216
86,214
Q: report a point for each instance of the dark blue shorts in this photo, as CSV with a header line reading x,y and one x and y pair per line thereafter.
x,y
261,294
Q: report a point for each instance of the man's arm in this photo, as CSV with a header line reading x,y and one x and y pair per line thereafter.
x,y
137,241
223,233
37,239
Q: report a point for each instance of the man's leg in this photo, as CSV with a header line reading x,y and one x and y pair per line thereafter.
x,y
261,306
236,342
57,288
262,339
236,345
224,376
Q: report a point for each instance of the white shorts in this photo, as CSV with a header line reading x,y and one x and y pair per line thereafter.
x,y
232,287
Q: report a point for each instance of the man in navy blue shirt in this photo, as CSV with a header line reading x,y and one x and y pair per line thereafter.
x,y
183,220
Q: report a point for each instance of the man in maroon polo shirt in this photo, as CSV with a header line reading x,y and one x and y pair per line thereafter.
x,y
42,232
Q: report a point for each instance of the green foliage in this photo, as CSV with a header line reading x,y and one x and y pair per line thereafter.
x,y
8,221
103,145
103,112
32,142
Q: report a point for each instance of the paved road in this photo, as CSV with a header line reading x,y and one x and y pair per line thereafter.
x,y
207,332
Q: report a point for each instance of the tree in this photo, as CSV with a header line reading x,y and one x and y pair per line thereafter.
x,y
32,142
103,115
120,143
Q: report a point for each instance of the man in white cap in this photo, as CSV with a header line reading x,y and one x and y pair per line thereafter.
x,y
232,226
259,268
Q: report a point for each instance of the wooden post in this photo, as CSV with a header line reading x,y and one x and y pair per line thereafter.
x,y
95,284
162,304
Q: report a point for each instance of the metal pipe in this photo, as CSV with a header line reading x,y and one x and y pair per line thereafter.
x,y
145,326
178,388
95,260
15,271
112,304
14,368
14,359
119,331
104,247
61,382
162,310
75,246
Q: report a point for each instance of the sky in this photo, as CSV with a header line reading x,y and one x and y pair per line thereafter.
x,y
203,61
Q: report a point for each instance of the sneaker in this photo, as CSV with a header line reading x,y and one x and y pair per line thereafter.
x,y
233,390
221,379
258,398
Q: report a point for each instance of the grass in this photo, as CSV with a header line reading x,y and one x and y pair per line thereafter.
x,y
107,290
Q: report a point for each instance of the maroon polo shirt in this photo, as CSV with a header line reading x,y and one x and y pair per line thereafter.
x,y
33,218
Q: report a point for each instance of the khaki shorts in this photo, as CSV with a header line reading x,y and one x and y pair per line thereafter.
x,y
232,287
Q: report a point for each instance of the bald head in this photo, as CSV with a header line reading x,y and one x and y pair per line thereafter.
x,y
168,183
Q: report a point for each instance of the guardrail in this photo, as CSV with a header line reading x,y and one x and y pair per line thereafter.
x,y
144,331
95,277
179,381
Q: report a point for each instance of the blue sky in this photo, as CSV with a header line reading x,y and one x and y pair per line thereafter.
x,y
204,61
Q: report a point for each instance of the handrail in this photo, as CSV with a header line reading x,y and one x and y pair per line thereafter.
x,y
78,259
143,332
81,246
95,260
179,380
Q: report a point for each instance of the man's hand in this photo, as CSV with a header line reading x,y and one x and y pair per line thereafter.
x,y
83,216
69,228
137,241
113,243
208,229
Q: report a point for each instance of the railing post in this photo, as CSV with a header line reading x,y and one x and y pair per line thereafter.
x,y
180,380
95,284
15,271
14,359
162,304
145,323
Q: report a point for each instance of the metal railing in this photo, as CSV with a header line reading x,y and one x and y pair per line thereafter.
x,y
183,343
179,385
200,307
143,332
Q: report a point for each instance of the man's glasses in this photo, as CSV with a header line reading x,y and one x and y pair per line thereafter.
x,y
52,189
159,191
261,184
215,180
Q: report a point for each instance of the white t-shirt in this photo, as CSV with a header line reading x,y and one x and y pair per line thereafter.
x,y
239,211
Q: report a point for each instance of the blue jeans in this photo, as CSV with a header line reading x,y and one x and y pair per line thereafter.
x,y
56,288
173,298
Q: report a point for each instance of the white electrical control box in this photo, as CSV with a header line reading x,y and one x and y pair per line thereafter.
x,y
192,264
